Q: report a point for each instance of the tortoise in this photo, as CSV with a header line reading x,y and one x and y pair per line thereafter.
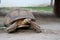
x,y
20,18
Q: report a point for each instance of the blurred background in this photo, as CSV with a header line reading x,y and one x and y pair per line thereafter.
x,y
46,12
45,6
26,3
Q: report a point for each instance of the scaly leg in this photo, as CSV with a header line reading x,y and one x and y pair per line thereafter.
x,y
35,27
11,28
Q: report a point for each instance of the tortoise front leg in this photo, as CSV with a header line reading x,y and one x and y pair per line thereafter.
x,y
35,27
23,23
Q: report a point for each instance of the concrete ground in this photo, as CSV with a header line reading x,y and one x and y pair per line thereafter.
x,y
29,36
50,26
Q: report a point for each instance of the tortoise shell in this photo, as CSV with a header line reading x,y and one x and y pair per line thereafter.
x,y
15,15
